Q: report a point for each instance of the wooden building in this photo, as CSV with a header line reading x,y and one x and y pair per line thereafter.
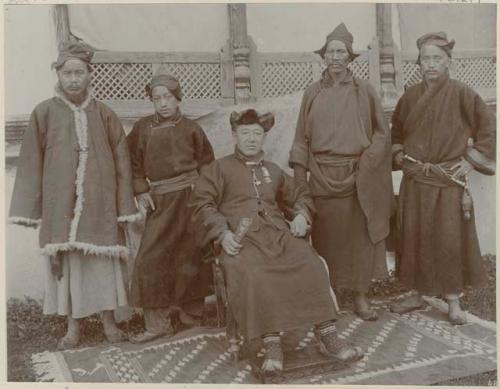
x,y
226,54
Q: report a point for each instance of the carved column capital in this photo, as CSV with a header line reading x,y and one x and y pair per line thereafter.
x,y
387,63
241,51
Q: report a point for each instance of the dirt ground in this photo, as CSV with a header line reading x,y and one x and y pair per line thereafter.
x,y
29,331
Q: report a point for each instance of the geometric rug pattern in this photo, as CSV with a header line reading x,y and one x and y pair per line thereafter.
x,y
418,348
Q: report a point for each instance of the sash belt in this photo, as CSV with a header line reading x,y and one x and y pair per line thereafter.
x,y
322,185
435,174
174,184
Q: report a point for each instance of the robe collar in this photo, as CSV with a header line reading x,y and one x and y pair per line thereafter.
x,y
256,160
424,104
327,80
254,163
159,121
83,105
437,86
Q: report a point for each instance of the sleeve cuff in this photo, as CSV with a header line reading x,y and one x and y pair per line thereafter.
x,y
24,221
480,162
299,155
130,218
304,213
221,236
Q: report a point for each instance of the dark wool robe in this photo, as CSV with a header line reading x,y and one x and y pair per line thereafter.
x,y
167,266
440,250
277,282
343,141
74,177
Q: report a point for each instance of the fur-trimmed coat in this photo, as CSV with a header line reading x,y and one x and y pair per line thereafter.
x,y
74,178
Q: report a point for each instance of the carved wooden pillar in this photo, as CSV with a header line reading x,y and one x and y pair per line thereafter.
x,y
241,51
388,88
61,20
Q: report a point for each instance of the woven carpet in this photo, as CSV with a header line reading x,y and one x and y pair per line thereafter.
x,y
419,348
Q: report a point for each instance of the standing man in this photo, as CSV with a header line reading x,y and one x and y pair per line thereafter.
x,y
342,140
167,151
74,178
431,128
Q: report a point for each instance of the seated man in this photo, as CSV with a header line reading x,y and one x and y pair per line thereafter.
x,y
275,280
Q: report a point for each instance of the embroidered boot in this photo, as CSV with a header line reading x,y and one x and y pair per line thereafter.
x,y
273,359
334,347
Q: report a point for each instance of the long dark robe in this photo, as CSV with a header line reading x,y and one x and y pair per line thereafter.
x,y
277,282
344,142
440,249
168,268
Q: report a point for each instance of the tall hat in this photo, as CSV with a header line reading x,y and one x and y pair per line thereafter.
x,y
73,49
342,34
250,116
438,39
166,80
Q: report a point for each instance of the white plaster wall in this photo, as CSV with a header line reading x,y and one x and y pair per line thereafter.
x,y
471,25
483,192
304,27
30,49
151,27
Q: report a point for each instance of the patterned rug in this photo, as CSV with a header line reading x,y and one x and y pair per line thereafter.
x,y
419,348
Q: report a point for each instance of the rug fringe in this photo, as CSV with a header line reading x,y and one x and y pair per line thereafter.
x,y
47,367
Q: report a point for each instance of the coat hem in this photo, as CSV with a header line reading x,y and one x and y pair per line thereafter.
x,y
130,218
24,221
115,251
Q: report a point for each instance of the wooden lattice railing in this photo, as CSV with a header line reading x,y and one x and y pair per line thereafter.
x,y
476,68
207,79
280,74
122,76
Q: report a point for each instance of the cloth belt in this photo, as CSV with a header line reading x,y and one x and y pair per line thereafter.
x,y
323,185
174,184
434,174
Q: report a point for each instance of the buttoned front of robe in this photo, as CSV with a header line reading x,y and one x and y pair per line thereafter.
x,y
277,282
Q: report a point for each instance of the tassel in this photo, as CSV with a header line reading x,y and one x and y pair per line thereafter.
x,y
256,181
242,228
466,204
266,175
